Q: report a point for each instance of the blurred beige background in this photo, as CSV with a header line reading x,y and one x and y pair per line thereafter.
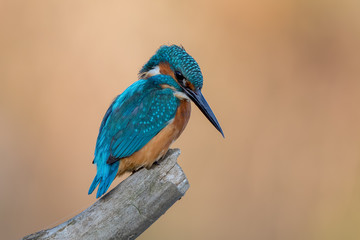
x,y
281,76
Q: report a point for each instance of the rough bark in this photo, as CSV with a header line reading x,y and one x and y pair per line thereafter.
x,y
130,208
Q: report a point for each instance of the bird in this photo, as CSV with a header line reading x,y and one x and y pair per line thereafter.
x,y
143,121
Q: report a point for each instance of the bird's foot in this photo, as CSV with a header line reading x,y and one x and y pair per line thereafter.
x,y
136,170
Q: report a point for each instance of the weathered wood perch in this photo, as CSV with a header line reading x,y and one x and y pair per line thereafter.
x,y
130,208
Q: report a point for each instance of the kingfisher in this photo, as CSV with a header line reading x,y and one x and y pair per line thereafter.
x,y
142,122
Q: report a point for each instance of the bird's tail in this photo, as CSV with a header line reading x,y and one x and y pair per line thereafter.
x,y
104,177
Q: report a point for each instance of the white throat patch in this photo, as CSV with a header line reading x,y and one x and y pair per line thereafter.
x,y
152,72
181,96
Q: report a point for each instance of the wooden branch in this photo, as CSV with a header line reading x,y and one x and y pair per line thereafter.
x,y
130,208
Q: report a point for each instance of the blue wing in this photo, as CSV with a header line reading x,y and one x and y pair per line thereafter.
x,y
146,119
131,121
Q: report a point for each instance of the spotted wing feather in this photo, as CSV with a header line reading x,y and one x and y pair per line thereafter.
x,y
151,114
131,121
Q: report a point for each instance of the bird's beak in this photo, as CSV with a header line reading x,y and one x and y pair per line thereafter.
x,y
197,97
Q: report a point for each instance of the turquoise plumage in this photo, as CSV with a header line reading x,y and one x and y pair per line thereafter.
x,y
169,80
131,121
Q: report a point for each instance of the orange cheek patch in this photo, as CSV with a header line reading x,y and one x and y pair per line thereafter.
x,y
190,85
166,70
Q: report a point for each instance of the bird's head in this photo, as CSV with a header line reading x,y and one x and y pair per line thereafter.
x,y
177,63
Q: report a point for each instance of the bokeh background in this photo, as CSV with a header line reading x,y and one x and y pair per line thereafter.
x,y
281,76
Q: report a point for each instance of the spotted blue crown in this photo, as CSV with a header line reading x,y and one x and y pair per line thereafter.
x,y
179,60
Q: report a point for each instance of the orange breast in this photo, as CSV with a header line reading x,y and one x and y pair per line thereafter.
x,y
158,146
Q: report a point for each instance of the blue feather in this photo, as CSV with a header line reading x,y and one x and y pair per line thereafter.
x,y
179,60
131,121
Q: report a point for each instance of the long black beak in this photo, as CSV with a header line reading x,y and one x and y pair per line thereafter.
x,y
197,97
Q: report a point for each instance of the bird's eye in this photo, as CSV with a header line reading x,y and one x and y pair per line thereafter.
x,y
179,76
